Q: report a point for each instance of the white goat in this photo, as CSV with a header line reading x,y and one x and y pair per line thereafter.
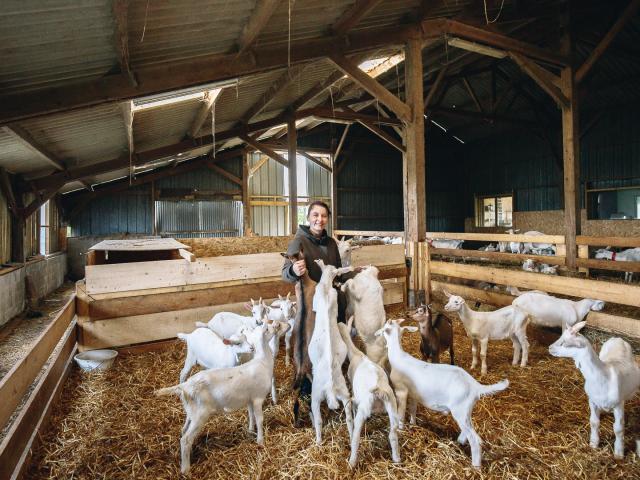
x,y
227,324
327,351
549,311
284,310
438,386
628,255
537,247
445,243
508,322
609,379
530,265
224,390
371,392
364,295
209,350
345,247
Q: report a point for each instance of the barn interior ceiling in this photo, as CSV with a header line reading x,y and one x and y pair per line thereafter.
x,y
101,90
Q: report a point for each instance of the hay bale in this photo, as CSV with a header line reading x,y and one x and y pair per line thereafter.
x,y
109,425
219,247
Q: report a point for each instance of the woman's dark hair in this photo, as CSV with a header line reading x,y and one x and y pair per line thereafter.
x,y
318,203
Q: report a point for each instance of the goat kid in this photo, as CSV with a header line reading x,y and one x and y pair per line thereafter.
x,y
371,393
549,311
530,265
365,296
227,324
284,310
508,322
436,332
224,390
327,351
440,387
610,378
628,255
345,247
210,350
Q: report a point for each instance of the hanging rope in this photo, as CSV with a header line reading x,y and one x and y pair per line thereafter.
x,y
486,15
289,38
144,28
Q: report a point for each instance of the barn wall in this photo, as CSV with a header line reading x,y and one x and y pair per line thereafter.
x,y
371,184
5,230
523,164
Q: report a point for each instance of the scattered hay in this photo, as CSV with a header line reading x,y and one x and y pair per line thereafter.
x,y
110,425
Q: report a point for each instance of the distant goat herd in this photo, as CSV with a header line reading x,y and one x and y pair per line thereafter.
x,y
238,352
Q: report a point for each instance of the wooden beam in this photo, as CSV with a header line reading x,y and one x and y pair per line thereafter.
x,y
315,160
435,87
16,382
41,199
383,135
413,161
595,55
258,165
187,255
472,94
221,171
591,123
7,190
127,116
25,139
353,15
497,257
458,113
545,79
208,100
293,176
251,141
401,109
160,78
246,208
121,16
326,113
259,18
627,242
497,40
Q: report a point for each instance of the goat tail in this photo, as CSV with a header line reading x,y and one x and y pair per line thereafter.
x,y
493,389
183,336
202,325
175,390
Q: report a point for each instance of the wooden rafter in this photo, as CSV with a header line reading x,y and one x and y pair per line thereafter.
x,y
259,18
341,143
7,190
401,109
353,15
293,176
472,94
435,87
381,133
25,138
315,160
208,100
121,16
221,171
626,15
127,117
251,141
544,78
329,114
258,165
286,79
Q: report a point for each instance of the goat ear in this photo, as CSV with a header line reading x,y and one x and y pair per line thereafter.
x,y
430,306
288,295
350,322
259,301
284,254
248,307
252,301
446,293
280,297
577,327
410,329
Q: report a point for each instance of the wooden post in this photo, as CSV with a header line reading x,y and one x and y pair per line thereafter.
x,y
571,156
413,161
583,252
427,273
334,196
293,181
246,207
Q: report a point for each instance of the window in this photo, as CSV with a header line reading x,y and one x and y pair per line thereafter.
x,y
45,229
621,203
494,211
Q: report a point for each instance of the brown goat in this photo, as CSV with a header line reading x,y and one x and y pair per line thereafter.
x,y
436,332
301,336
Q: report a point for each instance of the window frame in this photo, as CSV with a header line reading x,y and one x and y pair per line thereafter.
x,y
479,210
589,205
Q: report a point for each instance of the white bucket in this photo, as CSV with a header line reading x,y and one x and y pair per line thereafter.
x,y
95,359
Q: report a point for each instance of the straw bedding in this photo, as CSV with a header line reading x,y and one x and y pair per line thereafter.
x,y
110,425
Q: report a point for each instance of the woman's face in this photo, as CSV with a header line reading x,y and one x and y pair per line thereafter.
x,y
318,218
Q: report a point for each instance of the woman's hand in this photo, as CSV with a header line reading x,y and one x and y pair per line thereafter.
x,y
299,268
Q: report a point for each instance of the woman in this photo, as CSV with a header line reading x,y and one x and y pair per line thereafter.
x,y
315,243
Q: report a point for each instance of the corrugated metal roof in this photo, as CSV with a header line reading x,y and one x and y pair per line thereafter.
x,y
157,127
16,158
54,43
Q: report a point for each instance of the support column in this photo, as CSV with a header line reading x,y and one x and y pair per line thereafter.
x,y
246,207
570,152
413,162
293,180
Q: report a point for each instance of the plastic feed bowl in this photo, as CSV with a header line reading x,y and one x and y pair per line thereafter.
x,y
95,359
